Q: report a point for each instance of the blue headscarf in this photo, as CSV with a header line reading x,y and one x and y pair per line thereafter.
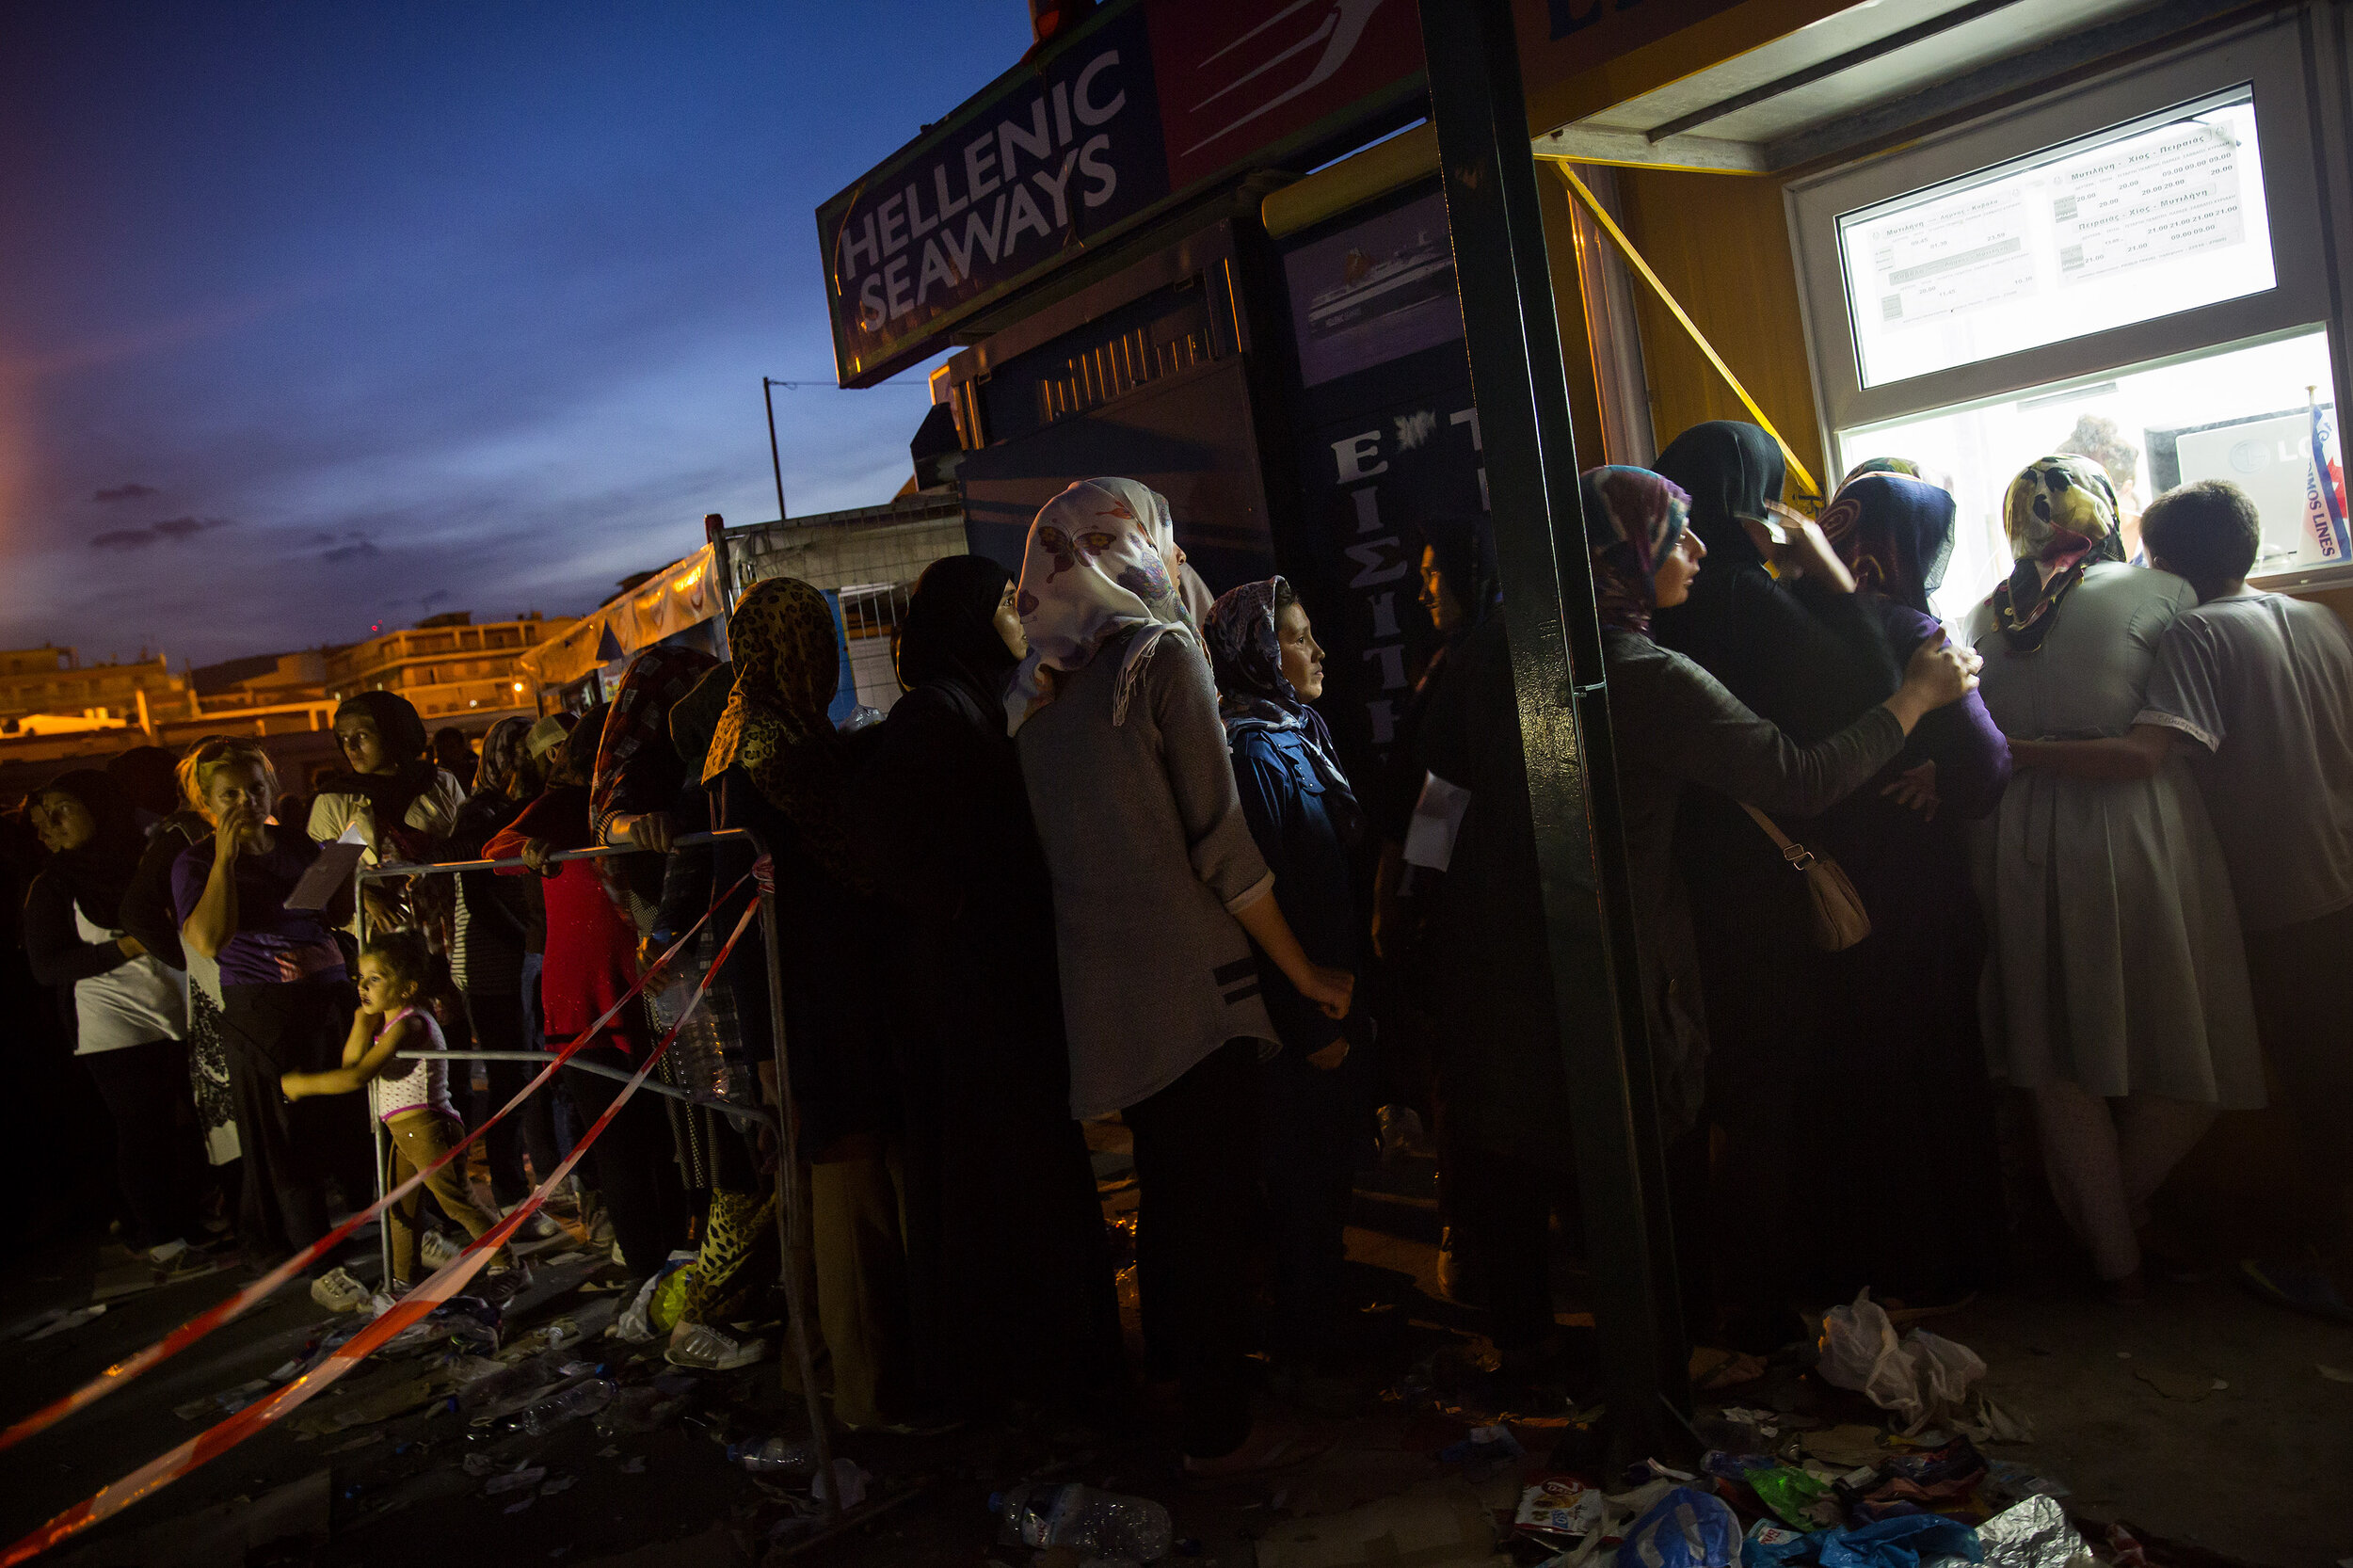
x,y
1894,532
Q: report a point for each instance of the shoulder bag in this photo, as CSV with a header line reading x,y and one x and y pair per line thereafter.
x,y
1838,918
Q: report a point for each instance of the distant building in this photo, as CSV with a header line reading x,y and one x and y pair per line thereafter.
x,y
263,680
53,681
448,667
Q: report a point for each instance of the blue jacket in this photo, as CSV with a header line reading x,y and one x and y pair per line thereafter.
x,y
1283,799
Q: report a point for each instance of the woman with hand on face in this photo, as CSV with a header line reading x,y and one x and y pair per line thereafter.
x,y
1009,1281
286,1004
1160,895
130,1010
390,794
1313,1107
1903,1179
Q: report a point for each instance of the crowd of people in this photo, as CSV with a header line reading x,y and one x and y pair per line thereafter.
x,y
1102,859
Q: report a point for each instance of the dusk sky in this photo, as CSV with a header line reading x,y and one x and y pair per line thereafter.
x,y
318,316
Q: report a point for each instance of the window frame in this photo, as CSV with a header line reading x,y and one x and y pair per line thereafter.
x,y
2283,63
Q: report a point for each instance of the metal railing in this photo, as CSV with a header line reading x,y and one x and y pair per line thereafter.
x,y
792,1218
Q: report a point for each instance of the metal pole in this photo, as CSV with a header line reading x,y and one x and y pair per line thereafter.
x,y
789,1217
1517,377
775,461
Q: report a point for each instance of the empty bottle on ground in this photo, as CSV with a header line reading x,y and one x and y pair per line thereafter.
x,y
1094,1524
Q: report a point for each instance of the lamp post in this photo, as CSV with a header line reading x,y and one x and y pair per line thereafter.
x,y
767,396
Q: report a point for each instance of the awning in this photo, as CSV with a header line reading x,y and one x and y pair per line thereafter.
x,y
682,595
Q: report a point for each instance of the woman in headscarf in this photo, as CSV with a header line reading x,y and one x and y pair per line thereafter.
x,y
148,915
1904,1189
401,803
1800,651
485,962
731,1062
1461,590
779,767
1011,1282
639,771
1314,1109
1676,726
591,965
1160,894
130,1010
2117,987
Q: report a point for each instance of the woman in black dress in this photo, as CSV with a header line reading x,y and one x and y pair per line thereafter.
x,y
1011,1282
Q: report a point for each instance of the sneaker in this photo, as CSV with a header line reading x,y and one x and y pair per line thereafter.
x,y
705,1348
537,1228
437,1251
337,1291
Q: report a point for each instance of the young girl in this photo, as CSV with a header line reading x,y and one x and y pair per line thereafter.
x,y
410,1099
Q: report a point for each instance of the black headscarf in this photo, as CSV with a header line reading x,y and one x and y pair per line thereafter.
x,y
950,634
149,780
1729,469
98,872
405,741
1465,548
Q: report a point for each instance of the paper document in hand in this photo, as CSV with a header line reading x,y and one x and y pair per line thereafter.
x,y
1437,821
327,876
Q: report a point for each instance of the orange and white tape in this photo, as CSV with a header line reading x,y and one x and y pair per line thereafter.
x,y
453,1276
228,1311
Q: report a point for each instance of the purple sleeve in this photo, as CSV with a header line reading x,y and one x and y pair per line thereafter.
x,y
1971,754
188,875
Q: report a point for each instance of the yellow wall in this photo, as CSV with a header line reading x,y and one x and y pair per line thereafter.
x,y
1721,244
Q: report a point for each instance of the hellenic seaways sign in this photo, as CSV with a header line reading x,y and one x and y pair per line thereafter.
x,y
1146,102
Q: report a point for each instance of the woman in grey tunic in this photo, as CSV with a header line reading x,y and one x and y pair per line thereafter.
x,y
2116,988
1159,889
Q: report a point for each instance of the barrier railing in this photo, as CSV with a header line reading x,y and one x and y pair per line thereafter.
x,y
445,1282
790,1214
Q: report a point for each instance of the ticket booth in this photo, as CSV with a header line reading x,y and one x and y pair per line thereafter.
x,y
1211,247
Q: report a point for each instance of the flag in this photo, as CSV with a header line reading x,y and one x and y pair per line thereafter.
x,y
2324,494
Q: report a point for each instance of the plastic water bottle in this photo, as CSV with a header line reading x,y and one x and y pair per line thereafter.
x,y
776,1456
1094,1524
584,1397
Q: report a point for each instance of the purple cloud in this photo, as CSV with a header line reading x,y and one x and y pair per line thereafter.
x,y
126,493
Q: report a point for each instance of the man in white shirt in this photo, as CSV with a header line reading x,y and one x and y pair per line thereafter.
x,y
2262,686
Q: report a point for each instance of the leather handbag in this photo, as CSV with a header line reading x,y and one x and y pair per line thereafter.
x,y
1838,918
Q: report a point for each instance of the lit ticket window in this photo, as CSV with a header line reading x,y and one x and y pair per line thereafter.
x,y
2144,220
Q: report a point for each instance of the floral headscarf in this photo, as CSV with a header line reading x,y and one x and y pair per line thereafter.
x,y
1895,534
501,754
637,768
1633,518
2060,513
788,666
1246,653
1098,565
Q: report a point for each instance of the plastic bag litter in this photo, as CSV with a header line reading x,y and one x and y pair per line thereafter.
x,y
635,1325
1918,1376
469,1322
515,1480
1791,1494
2035,1534
1684,1530
1901,1542
1770,1545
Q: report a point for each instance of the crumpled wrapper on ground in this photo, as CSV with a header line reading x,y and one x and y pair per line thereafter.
x,y
2035,1534
1920,1376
